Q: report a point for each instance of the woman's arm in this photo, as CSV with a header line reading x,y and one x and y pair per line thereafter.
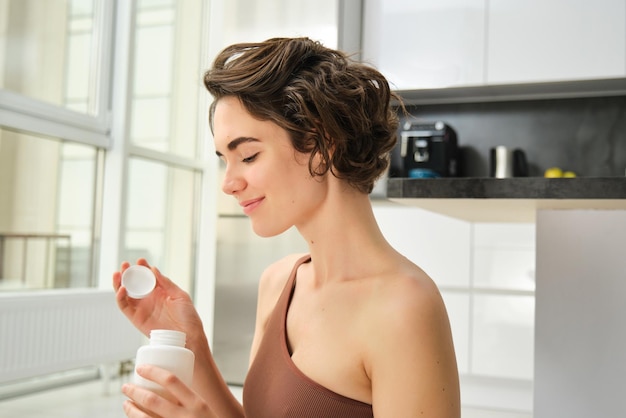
x,y
411,362
209,382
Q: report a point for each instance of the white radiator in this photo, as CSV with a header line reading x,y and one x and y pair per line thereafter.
x,y
43,332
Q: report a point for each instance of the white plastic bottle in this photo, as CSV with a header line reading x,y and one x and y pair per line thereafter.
x,y
167,351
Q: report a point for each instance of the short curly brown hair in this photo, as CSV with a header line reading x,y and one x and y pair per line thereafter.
x,y
332,106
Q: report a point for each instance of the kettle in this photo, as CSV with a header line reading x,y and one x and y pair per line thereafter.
x,y
506,162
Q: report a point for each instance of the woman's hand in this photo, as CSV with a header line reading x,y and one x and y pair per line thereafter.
x,y
175,401
167,307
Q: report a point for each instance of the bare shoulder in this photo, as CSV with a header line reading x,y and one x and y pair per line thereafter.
x,y
409,290
411,362
275,276
410,305
271,284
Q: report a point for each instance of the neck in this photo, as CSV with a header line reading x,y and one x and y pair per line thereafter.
x,y
344,239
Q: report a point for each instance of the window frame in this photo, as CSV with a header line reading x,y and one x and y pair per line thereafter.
x,y
27,114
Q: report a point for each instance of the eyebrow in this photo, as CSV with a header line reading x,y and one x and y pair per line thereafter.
x,y
232,145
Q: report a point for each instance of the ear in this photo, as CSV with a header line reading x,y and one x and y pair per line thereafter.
x,y
321,158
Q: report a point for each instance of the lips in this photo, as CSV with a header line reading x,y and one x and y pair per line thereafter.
x,y
250,205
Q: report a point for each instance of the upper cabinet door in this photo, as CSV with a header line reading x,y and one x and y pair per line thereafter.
x,y
420,44
555,40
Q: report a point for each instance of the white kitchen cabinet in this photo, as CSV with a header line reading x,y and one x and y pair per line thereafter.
x,y
580,338
555,40
421,44
480,44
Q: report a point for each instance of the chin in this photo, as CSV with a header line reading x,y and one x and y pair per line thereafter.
x,y
267,231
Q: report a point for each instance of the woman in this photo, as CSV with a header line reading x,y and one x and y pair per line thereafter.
x,y
352,329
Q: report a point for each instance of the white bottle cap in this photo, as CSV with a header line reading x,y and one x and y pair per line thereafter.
x,y
139,281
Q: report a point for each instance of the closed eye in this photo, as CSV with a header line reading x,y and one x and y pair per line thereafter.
x,y
250,158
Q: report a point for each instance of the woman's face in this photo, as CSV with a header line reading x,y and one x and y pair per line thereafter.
x,y
267,176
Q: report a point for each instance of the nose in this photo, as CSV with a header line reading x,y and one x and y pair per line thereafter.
x,y
232,182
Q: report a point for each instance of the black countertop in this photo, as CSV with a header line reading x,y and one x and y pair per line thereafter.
x,y
507,200
513,188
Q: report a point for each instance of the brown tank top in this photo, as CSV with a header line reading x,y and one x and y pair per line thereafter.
x,y
276,388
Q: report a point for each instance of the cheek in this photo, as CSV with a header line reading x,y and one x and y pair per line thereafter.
x,y
289,175
259,176
309,194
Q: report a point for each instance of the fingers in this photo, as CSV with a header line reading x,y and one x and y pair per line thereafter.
x,y
175,399
120,292
121,298
143,262
117,276
117,280
164,282
173,387
139,396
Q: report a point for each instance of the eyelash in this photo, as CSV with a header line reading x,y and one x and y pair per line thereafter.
x,y
250,158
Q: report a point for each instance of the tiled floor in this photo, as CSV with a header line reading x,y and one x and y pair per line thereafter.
x,y
87,400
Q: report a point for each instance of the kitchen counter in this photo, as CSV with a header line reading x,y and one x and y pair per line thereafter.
x,y
488,199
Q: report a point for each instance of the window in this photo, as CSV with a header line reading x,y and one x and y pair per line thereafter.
x,y
52,141
164,166
49,51
167,76
162,218
47,211
250,20
61,136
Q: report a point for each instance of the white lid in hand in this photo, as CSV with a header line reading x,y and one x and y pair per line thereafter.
x,y
139,281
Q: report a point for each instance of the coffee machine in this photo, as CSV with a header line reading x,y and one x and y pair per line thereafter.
x,y
425,150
